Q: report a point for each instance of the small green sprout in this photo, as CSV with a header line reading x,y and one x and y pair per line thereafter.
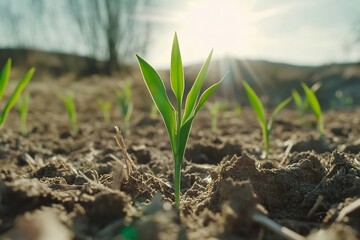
x,y
105,107
237,109
69,101
302,104
23,105
299,102
214,109
4,79
178,122
341,100
315,107
260,113
125,104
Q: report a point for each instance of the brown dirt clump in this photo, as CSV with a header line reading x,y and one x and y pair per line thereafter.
x,y
77,185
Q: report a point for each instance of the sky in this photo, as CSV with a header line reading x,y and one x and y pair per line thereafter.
x,y
305,32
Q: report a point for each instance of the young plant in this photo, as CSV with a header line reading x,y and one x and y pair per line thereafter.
x,y
302,104
125,104
69,102
4,79
299,102
105,107
315,107
214,109
178,122
23,110
237,109
258,108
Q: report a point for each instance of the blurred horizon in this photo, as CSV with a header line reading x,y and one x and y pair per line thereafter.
x,y
293,32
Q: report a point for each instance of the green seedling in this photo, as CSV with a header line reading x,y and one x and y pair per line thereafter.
x,y
105,107
302,104
315,107
125,104
4,79
237,109
178,122
23,111
341,100
258,108
214,109
69,101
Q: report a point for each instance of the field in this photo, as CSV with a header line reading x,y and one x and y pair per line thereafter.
x,y
57,184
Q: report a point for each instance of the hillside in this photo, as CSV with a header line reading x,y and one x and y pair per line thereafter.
x,y
340,83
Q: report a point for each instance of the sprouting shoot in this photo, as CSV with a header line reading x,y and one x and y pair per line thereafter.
x,y
4,79
69,102
315,107
258,108
178,121
105,107
123,98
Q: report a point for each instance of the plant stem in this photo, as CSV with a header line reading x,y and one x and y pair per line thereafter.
x,y
320,125
23,125
177,180
178,159
266,133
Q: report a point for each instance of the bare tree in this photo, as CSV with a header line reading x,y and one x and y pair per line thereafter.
x,y
110,28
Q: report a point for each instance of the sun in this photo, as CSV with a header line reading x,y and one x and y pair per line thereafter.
x,y
207,24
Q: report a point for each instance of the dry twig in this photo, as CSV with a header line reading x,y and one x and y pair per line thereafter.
x,y
275,227
315,207
121,143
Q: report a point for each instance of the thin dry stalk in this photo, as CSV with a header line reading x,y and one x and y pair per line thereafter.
x,y
348,209
30,161
333,168
315,207
277,228
121,143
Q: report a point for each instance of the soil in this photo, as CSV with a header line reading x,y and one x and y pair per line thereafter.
x,y
58,184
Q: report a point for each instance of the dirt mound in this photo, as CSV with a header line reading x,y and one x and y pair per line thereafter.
x,y
77,187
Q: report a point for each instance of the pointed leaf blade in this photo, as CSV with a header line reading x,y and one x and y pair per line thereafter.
x,y
177,73
16,94
158,93
297,99
315,106
207,93
314,103
4,77
194,93
280,107
256,104
183,137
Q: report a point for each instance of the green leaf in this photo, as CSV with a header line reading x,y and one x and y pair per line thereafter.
x,y
313,101
69,101
4,77
15,95
183,138
177,73
207,93
280,107
256,104
297,99
194,93
315,106
158,93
